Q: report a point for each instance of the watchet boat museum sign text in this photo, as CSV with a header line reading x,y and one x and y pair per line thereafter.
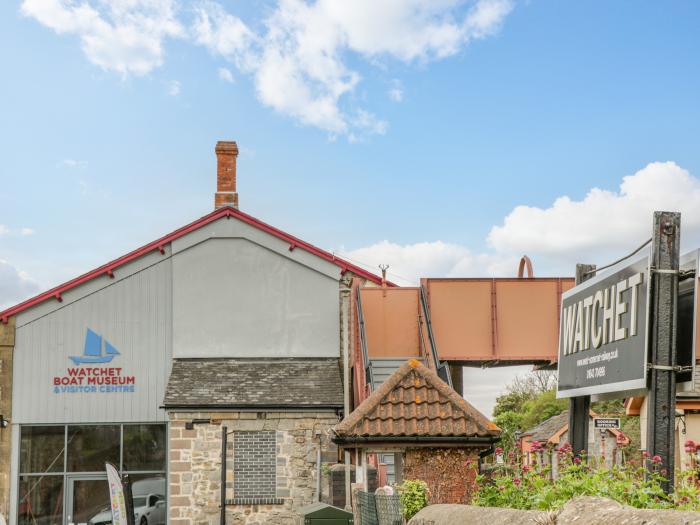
x,y
603,333
91,373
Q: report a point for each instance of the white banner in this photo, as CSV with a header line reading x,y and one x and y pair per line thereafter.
x,y
116,495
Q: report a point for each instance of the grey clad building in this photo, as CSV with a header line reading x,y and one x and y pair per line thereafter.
x,y
227,330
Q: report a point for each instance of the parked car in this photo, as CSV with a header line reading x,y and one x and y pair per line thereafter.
x,y
149,509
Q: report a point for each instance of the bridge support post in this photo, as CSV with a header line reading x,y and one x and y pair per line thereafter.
x,y
580,406
661,403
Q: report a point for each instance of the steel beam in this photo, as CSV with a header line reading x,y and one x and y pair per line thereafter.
x,y
663,282
579,407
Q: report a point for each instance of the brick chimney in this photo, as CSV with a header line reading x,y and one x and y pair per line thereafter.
x,y
226,153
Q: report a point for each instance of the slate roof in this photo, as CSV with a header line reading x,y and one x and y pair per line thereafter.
x,y
545,430
254,383
549,428
415,402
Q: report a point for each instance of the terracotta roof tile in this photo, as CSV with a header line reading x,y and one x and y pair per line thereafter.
x,y
415,402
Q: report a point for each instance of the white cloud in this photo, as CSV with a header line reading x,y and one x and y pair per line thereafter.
x,y
173,88
599,228
408,263
603,223
395,91
73,163
297,55
298,60
124,36
15,285
26,232
226,75
4,230
223,34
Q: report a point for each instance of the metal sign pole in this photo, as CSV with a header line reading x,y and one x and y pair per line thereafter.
x,y
580,406
661,403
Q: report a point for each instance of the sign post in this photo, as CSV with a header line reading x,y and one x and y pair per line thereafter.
x,y
580,406
661,403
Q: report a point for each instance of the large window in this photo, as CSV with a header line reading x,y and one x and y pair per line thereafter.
x,y
53,458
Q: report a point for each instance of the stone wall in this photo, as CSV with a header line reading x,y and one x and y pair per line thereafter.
x,y
7,343
583,510
195,465
449,472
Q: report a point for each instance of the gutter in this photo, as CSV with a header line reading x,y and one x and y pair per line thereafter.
x,y
338,407
466,440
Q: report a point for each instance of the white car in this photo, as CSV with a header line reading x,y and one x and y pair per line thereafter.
x,y
149,509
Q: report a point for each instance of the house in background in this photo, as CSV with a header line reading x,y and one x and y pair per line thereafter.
x,y
687,436
540,444
226,325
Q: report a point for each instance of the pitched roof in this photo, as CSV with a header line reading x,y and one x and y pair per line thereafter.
x,y
254,383
545,430
550,430
158,244
415,402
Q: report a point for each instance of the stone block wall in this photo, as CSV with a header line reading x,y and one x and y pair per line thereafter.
x,y
195,465
7,343
449,472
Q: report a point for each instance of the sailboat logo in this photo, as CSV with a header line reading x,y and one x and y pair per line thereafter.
x,y
95,351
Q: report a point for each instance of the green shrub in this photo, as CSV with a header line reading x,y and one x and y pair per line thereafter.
x,y
531,488
414,496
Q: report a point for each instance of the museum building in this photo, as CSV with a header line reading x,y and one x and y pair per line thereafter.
x,y
225,327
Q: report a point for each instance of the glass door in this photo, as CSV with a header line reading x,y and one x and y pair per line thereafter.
x,y
87,500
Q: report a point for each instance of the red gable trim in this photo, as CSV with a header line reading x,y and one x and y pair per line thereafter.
x,y
108,269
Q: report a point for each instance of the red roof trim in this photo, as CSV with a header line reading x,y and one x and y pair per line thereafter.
x,y
159,244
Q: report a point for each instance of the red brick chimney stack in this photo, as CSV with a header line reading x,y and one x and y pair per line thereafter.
x,y
226,153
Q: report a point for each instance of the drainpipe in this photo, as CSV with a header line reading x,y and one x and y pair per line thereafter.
x,y
345,309
224,445
318,466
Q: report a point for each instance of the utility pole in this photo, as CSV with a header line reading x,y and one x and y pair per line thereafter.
x,y
580,406
661,403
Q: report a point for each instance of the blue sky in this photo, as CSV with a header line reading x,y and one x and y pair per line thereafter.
x,y
425,126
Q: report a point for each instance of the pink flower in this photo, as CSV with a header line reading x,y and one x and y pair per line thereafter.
x,y
511,454
577,460
498,450
526,468
645,454
656,459
516,482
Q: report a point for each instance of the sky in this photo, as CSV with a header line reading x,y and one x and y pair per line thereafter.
x,y
443,137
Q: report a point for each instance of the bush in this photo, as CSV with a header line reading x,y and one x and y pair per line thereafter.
x,y
531,488
414,496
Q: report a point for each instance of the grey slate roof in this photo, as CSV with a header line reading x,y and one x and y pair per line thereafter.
x,y
548,428
263,383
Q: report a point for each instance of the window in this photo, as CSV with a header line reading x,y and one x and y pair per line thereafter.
x,y
90,446
52,455
254,468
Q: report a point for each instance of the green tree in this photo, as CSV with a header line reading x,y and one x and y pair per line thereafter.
x,y
542,408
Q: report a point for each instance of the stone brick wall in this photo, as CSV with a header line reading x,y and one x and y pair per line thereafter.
x,y
449,472
7,343
195,465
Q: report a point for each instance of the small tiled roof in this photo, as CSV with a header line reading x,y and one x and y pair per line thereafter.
x,y
415,403
545,430
254,383
551,429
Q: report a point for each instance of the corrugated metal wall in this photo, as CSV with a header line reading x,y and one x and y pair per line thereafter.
x,y
135,315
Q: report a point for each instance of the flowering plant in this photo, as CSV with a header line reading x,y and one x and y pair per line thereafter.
x,y
531,487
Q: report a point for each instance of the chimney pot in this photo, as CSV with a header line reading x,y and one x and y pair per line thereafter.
x,y
226,154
